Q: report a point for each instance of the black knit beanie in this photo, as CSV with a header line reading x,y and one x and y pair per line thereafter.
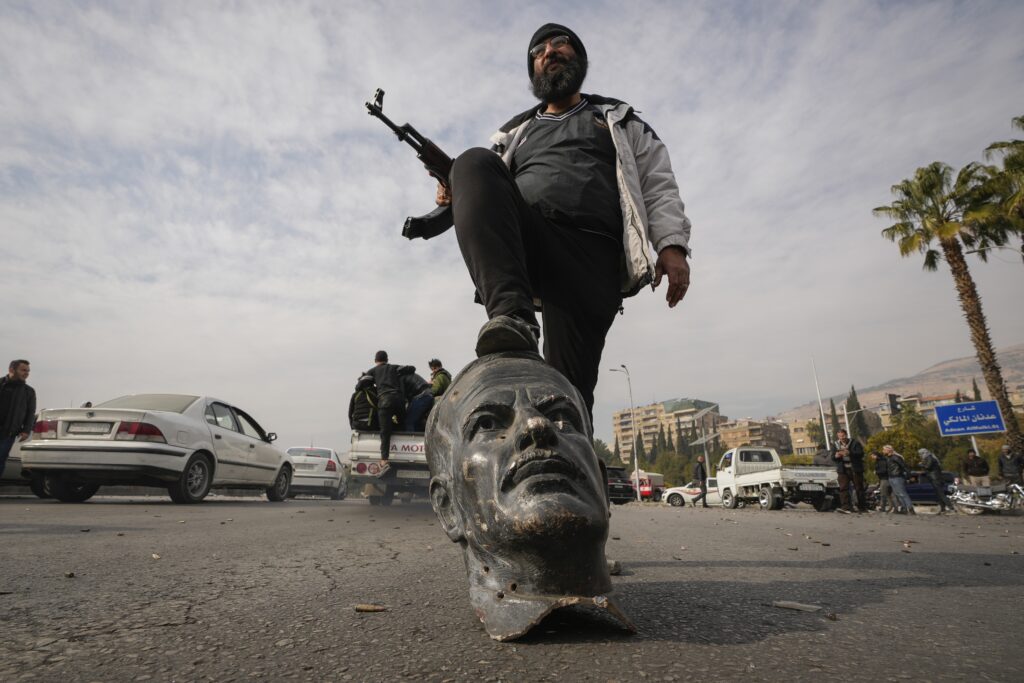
x,y
549,31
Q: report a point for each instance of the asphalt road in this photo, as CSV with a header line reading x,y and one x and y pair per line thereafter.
x,y
237,590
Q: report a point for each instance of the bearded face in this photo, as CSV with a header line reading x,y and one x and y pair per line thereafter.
x,y
559,77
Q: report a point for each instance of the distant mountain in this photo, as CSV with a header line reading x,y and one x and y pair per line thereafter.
x,y
942,378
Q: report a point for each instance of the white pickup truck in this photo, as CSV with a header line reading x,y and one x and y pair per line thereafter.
x,y
757,474
409,473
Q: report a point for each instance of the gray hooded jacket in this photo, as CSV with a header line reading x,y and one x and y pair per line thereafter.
x,y
652,210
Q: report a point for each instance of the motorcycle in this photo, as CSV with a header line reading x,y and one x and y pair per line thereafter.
x,y
974,500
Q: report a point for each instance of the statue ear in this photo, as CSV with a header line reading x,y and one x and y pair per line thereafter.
x,y
441,500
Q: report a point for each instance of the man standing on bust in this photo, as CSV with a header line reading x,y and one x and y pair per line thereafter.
x,y
566,209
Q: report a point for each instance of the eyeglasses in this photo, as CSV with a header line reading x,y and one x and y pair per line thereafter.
x,y
555,43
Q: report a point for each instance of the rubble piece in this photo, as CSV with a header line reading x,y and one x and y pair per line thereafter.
x,y
798,606
367,607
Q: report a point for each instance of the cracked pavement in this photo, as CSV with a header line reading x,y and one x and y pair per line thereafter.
x,y
248,590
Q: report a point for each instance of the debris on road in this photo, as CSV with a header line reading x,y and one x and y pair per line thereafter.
x,y
366,607
614,567
69,575
84,531
155,556
798,606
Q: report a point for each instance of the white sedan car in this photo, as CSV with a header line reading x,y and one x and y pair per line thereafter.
x,y
186,444
318,471
681,495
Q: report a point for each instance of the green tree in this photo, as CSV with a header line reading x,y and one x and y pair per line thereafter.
x,y
641,454
670,445
975,390
815,432
1007,182
601,448
833,420
959,398
618,452
933,208
858,424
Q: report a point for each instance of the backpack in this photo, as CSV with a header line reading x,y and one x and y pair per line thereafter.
x,y
362,412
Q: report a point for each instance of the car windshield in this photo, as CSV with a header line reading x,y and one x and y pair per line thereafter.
x,y
617,472
168,403
310,452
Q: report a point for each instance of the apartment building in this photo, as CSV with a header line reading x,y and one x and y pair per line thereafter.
x,y
675,416
800,438
747,432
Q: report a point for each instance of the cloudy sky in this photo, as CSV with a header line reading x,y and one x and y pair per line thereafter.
x,y
193,199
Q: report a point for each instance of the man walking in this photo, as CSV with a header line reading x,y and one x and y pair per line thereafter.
x,y
933,470
898,479
885,498
565,210
700,473
17,408
390,402
848,455
976,470
1011,465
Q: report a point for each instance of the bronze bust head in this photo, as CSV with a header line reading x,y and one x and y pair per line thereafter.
x,y
515,481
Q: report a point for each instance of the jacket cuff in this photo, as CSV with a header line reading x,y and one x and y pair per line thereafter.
x,y
674,241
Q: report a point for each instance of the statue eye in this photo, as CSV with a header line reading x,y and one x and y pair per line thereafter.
x,y
564,419
487,421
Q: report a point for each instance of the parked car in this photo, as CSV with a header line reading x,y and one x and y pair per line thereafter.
x,y
681,495
186,444
919,487
652,486
317,471
752,474
620,488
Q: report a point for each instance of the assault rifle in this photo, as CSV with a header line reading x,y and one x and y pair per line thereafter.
x,y
438,164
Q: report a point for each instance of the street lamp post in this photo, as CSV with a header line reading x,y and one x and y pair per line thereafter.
x,y
635,430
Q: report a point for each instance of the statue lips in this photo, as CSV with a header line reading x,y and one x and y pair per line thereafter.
x,y
536,463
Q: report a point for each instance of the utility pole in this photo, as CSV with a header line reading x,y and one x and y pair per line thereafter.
x,y
636,430
821,409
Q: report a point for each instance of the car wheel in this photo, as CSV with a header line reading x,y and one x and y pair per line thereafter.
x,y
764,498
823,503
778,501
657,496
388,497
374,500
278,491
69,490
39,486
675,500
728,500
194,482
340,492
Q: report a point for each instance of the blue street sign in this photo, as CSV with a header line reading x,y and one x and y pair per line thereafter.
x,y
964,419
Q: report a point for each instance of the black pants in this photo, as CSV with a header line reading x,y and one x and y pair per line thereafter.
x,y
703,497
857,480
940,490
515,254
392,411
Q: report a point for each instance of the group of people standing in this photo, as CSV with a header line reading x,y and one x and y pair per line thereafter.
x,y
391,397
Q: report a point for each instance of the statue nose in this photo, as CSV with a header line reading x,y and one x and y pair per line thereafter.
x,y
538,431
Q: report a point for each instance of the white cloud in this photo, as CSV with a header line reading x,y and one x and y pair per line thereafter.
x,y
195,200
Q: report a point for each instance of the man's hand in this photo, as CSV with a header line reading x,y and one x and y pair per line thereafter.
x,y
672,262
22,436
444,197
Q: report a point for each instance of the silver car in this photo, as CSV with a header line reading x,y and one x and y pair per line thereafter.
x,y
186,444
318,471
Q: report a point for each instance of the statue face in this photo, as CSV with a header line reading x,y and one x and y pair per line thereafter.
x,y
525,471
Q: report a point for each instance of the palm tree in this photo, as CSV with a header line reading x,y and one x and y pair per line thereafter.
x,y
931,209
1006,213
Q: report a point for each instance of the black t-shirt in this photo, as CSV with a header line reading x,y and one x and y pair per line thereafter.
x,y
565,166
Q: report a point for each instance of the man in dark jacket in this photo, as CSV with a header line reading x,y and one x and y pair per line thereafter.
x,y
933,470
362,408
1011,465
898,472
885,497
390,402
17,408
848,455
975,469
700,473
567,211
